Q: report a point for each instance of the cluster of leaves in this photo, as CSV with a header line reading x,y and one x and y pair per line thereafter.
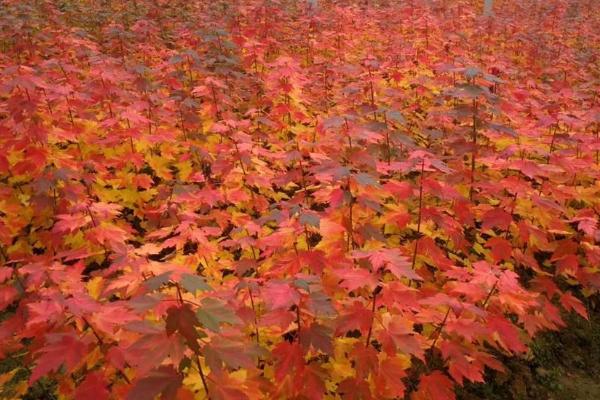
x,y
246,199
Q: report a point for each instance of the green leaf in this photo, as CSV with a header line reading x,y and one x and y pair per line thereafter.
x,y
503,129
309,218
492,78
213,312
469,91
302,284
192,283
396,116
157,281
320,304
472,72
403,139
366,179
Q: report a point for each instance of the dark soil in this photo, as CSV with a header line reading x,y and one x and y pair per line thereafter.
x,y
562,365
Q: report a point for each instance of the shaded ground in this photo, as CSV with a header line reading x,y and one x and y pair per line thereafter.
x,y
565,365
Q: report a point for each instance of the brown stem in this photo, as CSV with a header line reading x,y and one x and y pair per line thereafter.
x,y
302,178
98,337
298,321
373,306
414,258
308,246
489,296
103,349
179,295
351,244
512,210
214,99
92,216
372,91
189,70
239,155
597,138
438,331
554,129
474,151
255,315
202,377
387,140
182,124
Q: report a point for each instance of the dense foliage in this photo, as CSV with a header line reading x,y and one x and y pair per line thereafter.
x,y
259,199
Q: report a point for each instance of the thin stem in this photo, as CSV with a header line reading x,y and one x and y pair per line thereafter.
x,y
553,130
371,89
414,258
255,315
302,178
597,138
179,295
239,155
98,337
373,306
103,349
387,140
489,296
202,377
438,331
474,151
351,244
298,321
308,246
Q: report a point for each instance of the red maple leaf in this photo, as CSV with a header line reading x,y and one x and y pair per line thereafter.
x,y
434,386
60,349
164,381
